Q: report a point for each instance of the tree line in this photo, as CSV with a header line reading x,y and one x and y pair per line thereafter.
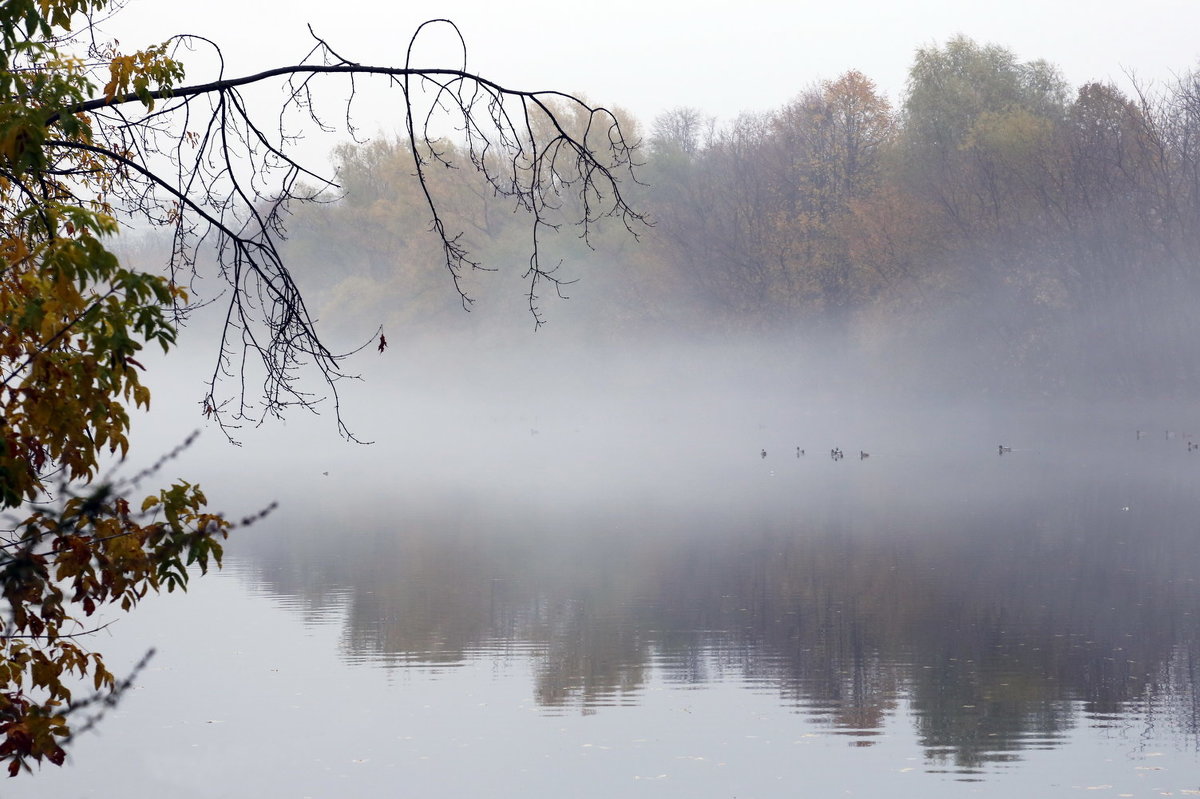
x,y
1049,232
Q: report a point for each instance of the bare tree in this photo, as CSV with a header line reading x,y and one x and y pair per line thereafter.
x,y
684,128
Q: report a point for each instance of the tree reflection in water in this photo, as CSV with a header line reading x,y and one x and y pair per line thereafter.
x,y
997,624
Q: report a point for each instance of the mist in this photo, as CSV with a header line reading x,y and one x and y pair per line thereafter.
x,y
894,432
568,428
825,277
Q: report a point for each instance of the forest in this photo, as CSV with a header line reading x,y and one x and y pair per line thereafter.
x,y
998,233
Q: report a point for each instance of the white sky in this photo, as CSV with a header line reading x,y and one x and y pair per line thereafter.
x,y
649,56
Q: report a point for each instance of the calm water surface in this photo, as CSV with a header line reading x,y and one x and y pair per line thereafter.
x,y
617,617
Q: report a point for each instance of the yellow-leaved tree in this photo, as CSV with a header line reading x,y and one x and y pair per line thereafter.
x,y
90,135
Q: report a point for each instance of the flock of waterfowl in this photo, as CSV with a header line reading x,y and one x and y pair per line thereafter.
x,y
837,454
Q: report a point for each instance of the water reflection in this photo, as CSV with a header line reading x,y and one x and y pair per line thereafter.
x,y
999,605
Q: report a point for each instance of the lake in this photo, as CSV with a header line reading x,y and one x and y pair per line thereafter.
x,y
573,604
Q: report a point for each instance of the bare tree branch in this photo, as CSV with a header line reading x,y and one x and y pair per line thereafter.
x,y
199,164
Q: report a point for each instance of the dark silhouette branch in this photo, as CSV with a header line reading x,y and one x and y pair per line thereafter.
x,y
200,165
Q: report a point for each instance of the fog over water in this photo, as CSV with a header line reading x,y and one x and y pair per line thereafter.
x,y
906,494
567,566
858,453
593,578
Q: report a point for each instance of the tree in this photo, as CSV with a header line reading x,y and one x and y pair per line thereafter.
x,y
960,95
680,130
90,134
827,145
757,214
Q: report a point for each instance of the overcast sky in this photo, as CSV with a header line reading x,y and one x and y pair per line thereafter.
x,y
648,56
